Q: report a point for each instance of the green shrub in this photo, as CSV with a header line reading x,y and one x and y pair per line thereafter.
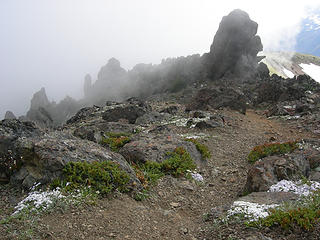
x,y
115,140
203,149
103,177
177,164
269,149
304,215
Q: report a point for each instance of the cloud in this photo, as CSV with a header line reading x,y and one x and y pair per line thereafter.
x,y
53,44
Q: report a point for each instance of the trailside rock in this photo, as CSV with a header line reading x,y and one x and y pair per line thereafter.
x,y
269,170
130,110
218,98
43,159
29,155
153,147
10,152
235,46
9,115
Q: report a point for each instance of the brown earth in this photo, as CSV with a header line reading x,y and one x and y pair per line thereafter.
x,y
176,208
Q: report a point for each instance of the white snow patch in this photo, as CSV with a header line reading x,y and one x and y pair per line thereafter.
x,y
312,70
288,73
194,135
38,200
295,187
251,211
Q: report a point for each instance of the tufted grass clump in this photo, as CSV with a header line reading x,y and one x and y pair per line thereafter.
x,y
101,177
115,140
304,214
177,164
269,149
203,149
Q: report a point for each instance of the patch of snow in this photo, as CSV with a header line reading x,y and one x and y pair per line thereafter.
x,y
295,187
312,70
38,200
194,135
251,211
288,73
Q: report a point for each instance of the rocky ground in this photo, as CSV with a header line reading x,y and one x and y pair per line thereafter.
x,y
176,208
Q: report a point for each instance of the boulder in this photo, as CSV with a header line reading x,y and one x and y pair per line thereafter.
x,y
152,147
208,124
171,110
83,114
152,117
269,170
217,98
28,155
130,110
235,46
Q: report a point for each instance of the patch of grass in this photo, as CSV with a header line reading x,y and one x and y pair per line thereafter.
x,y
177,164
115,140
203,149
269,149
101,177
303,214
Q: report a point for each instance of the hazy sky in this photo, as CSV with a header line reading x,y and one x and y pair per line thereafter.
x,y
54,43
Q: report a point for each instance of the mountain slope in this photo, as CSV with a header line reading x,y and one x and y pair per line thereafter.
x,y
290,64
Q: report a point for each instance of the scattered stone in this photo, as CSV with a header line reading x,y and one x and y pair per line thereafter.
x,y
175,204
170,110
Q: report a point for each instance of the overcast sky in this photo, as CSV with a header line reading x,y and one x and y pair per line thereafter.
x,y
54,43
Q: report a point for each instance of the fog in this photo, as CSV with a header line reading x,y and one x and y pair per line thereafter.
x,y
55,43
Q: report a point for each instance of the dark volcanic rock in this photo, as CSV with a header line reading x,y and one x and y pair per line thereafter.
x,y
27,155
9,115
207,124
171,110
270,170
152,117
130,111
235,46
218,98
152,147
83,114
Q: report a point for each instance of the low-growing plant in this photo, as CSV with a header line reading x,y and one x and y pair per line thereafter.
x,y
203,149
269,149
115,140
304,215
177,164
102,177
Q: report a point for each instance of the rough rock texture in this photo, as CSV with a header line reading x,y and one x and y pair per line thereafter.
x,y
41,117
39,99
270,170
235,46
153,147
217,98
38,157
130,111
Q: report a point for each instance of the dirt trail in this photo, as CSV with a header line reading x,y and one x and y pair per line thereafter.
x,y
175,207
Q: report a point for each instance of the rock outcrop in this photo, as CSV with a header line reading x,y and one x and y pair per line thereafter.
x,y
217,98
235,46
9,115
29,156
